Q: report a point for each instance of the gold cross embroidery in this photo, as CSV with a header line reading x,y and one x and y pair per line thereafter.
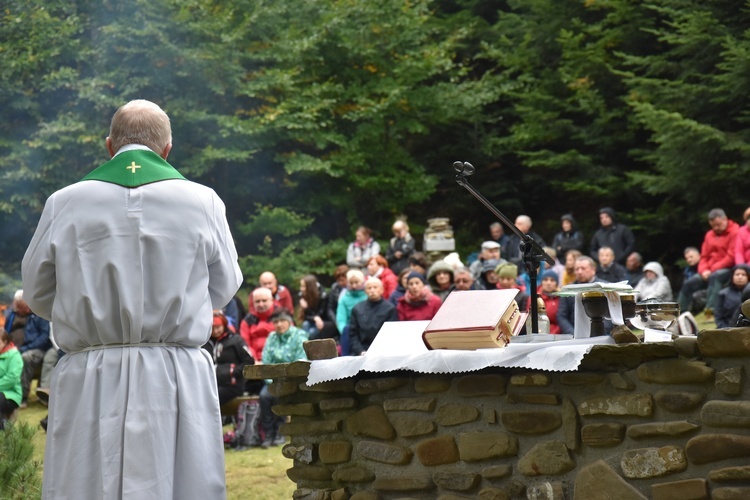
x,y
132,167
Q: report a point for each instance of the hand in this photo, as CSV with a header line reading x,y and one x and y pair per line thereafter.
x,y
705,275
363,353
398,254
303,303
318,322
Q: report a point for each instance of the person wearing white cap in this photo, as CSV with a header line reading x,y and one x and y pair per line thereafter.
x,y
490,251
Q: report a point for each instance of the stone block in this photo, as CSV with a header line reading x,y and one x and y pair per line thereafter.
x,y
602,435
280,370
456,481
353,474
372,386
646,463
472,386
688,489
661,429
729,381
320,349
493,493
309,473
550,458
741,473
724,342
345,385
337,404
365,495
531,422
456,414
581,378
335,452
428,384
310,428
726,414
281,388
411,426
533,398
675,371
476,446
726,493
406,482
437,451
707,448
384,453
548,490
495,472
686,346
310,494
637,405
621,381
370,421
679,401
409,404
303,453
531,380
571,425
598,477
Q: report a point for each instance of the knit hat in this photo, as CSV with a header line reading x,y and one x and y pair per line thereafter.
x,y
489,265
568,217
415,274
507,270
609,211
549,273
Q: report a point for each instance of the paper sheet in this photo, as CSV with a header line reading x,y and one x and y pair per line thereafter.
x,y
399,346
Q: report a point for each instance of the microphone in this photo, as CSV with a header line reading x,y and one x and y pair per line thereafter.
x,y
463,168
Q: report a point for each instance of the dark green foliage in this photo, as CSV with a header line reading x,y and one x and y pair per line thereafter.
x,y
312,117
20,474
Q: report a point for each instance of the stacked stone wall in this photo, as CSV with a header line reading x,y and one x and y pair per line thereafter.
x,y
635,421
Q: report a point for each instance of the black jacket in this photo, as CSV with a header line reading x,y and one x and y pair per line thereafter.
x,y
365,322
230,355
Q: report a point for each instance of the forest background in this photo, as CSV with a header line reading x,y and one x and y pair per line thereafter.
x,y
311,117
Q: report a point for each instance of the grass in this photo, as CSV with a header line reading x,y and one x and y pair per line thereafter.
x,y
253,473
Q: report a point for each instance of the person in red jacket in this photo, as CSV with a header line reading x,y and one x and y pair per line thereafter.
x,y
257,325
281,294
419,303
377,267
717,260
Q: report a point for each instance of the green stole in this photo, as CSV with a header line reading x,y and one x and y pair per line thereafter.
x,y
134,168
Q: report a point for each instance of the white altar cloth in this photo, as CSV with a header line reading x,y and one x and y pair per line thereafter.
x,y
399,346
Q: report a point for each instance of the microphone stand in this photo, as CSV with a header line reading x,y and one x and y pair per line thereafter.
x,y
533,253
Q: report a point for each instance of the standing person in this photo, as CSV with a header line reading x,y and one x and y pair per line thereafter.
x,y
716,262
523,223
362,248
129,265
11,366
400,247
742,244
569,238
497,234
614,235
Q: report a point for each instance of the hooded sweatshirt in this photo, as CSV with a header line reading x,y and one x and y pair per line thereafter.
x,y
657,288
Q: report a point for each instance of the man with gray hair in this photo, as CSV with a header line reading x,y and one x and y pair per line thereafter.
x,y
129,264
716,262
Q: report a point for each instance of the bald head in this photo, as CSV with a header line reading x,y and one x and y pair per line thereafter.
x,y
140,122
262,299
268,280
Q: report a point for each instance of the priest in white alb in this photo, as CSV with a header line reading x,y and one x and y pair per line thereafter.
x,y
128,264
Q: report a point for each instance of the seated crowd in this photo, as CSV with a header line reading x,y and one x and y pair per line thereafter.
x,y
374,287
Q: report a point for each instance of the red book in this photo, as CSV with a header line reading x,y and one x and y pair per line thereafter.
x,y
475,319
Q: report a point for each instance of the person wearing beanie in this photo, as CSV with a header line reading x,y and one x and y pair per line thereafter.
x,y
614,235
549,285
440,278
730,297
654,284
419,303
230,354
570,238
284,345
487,279
507,278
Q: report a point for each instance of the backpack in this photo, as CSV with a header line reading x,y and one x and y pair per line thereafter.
x,y
247,426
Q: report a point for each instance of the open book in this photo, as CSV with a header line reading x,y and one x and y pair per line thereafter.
x,y
475,319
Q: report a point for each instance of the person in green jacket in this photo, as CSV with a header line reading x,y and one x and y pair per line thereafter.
x,y
11,366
